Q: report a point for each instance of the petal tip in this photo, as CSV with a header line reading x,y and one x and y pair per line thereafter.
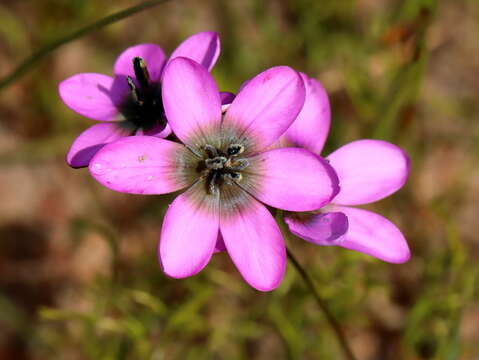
x,y
264,284
178,273
324,229
267,287
369,170
74,165
203,47
178,270
214,35
400,258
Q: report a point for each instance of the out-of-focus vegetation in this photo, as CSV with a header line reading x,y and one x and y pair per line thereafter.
x,y
79,277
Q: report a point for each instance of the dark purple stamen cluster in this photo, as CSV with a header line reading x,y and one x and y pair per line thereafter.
x,y
143,108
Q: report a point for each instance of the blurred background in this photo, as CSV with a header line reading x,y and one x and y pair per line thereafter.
x,y
79,278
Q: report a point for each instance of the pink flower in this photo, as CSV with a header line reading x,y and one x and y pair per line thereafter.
x,y
226,169
130,102
368,171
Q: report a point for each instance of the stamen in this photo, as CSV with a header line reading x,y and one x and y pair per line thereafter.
x,y
235,176
141,72
134,90
215,163
235,149
212,185
238,165
210,150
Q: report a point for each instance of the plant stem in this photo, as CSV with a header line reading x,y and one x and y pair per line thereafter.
x,y
34,58
323,306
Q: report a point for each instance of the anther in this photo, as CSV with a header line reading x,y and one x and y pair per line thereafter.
x,y
134,90
141,72
216,163
210,150
235,149
238,165
235,176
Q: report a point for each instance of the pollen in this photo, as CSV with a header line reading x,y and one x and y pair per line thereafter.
x,y
222,167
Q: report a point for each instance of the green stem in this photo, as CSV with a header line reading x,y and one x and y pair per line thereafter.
x,y
34,58
323,306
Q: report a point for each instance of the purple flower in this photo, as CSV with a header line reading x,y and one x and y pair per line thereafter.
x,y
226,169
368,171
129,103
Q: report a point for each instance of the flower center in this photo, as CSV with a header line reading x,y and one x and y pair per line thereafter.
x,y
143,108
222,167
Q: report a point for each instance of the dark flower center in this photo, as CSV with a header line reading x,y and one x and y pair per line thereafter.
x,y
143,108
222,167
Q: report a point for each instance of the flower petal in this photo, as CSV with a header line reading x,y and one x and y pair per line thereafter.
x,y
90,141
152,54
293,179
93,95
140,165
267,105
191,100
368,170
220,244
226,100
226,97
158,131
311,127
372,234
203,47
255,244
189,234
320,229
242,86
